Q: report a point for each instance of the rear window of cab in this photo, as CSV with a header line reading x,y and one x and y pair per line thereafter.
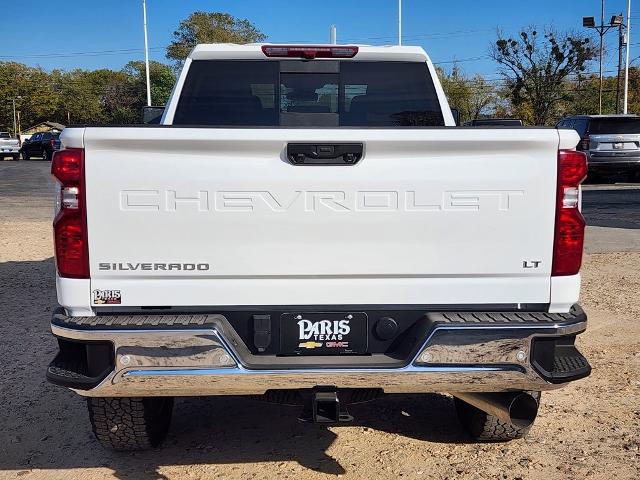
x,y
273,94
620,126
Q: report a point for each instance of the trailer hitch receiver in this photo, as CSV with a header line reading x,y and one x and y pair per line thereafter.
x,y
323,406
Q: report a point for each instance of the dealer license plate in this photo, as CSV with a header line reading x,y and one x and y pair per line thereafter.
x,y
323,333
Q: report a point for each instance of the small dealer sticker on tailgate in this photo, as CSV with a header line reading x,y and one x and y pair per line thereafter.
x,y
106,297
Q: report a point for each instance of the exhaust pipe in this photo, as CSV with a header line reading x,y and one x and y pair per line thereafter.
x,y
517,408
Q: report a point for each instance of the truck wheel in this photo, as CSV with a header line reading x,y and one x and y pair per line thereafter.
x,y
488,428
16,158
25,155
127,424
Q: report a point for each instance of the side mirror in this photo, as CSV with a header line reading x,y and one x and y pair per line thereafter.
x,y
456,115
152,115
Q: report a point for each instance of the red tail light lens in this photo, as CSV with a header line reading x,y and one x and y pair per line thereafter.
x,y
70,223
569,230
71,246
66,166
572,168
309,51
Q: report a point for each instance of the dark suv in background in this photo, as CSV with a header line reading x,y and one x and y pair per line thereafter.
x,y
611,142
40,145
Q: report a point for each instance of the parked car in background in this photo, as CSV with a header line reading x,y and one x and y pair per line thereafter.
x,y
494,122
40,145
611,142
9,146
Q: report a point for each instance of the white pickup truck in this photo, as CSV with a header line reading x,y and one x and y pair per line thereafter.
x,y
308,225
9,146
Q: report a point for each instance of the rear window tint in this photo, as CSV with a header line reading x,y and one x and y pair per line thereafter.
x,y
228,93
256,93
604,126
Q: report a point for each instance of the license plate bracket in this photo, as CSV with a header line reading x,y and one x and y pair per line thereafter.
x,y
324,333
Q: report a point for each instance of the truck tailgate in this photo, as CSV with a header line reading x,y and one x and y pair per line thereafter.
x,y
212,216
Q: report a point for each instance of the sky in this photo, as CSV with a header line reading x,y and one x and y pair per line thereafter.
x,y
94,34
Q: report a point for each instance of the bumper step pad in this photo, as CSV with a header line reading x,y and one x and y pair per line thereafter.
x,y
72,374
569,363
510,318
132,322
566,364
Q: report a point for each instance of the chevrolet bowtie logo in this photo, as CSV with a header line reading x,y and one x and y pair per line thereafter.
x,y
309,345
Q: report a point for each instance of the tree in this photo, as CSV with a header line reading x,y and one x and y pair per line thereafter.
x,y
584,95
33,90
80,96
121,100
161,77
634,90
102,97
214,27
536,70
473,97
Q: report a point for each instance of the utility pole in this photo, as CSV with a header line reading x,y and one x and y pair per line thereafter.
x,y
620,45
626,63
399,22
601,57
16,117
602,29
146,51
15,123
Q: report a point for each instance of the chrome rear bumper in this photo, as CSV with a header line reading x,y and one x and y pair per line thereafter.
x,y
456,356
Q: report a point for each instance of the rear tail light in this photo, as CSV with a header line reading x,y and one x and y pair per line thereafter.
x,y
309,51
584,143
569,229
70,223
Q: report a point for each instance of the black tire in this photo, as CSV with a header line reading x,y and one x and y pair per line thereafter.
x,y
25,155
486,428
128,424
16,157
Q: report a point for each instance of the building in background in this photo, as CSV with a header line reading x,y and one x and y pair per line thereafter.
x,y
52,127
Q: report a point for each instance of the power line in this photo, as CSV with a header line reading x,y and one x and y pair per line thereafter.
x,y
97,53
433,35
462,60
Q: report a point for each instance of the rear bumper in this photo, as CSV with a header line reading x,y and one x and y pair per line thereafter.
x,y
191,355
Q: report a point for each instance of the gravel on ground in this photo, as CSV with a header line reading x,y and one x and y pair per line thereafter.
x,y
590,429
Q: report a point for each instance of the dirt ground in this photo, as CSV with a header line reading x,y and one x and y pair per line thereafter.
x,y
590,429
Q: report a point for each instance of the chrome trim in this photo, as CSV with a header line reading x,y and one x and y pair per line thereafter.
x,y
193,362
496,344
187,348
239,381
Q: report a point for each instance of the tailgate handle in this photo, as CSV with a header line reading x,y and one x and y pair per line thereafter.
x,y
324,153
